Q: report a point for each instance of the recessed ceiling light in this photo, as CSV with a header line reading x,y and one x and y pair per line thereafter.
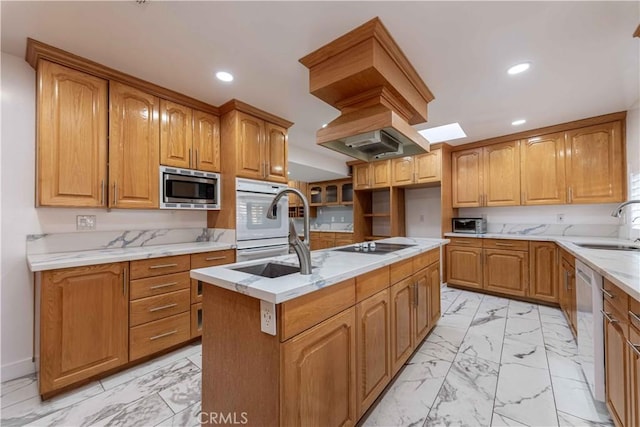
x,y
518,122
324,125
443,133
519,68
224,76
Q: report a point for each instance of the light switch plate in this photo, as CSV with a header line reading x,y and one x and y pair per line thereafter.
x,y
85,222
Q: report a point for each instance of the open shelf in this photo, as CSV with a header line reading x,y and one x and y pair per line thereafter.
x,y
377,215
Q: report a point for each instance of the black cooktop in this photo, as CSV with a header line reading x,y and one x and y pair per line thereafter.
x,y
380,248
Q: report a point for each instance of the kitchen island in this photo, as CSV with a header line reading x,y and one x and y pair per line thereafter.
x,y
335,338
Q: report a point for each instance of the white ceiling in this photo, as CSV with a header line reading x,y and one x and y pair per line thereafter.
x,y
585,62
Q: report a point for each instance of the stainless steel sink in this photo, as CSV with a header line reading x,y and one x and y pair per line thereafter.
x,y
270,270
611,247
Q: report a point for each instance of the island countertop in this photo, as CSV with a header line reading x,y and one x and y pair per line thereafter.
x,y
330,267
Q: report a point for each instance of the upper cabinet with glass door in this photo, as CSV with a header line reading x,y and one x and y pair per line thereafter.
x,y
328,193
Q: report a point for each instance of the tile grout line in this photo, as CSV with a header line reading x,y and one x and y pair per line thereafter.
x,y
546,356
495,394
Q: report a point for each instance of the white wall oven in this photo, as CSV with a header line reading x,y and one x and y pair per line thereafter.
x,y
258,236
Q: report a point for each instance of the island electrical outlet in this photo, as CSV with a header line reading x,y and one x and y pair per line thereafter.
x,y
268,317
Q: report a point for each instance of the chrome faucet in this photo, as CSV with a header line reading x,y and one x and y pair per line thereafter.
x,y
618,210
301,247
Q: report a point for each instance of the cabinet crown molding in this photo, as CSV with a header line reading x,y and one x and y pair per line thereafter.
x,y
37,50
238,105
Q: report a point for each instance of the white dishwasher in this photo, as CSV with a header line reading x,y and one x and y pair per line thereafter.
x,y
590,328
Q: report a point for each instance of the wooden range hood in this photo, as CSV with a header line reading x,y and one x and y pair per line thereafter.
x,y
380,95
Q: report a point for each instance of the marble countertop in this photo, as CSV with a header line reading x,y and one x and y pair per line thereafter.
x,y
330,267
53,261
622,268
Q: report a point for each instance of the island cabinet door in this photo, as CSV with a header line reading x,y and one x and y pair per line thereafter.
x,y
433,276
319,374
634,376
401,322
616,372
421,304
373,348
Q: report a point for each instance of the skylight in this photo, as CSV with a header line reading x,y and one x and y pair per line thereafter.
x,y
443,133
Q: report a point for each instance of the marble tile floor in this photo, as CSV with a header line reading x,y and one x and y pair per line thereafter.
x,y
489,362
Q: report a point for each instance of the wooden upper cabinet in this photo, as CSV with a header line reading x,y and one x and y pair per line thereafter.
x,y
250,147
275,153
84,323
72,137
595,164
206,141
428,167
381,173
261,149
542,174
402,171
361,176
134,148
176,135
466,185
501,174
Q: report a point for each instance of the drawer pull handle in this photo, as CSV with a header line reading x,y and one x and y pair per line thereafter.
x,y
215,258
163,307
164,285
634,347
607,293
635,316
504,244
162,266
166,334
608,317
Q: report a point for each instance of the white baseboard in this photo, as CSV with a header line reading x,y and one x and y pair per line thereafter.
x,y
17,369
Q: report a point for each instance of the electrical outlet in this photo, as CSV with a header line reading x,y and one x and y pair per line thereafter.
x,y
560,218
268,317
85,222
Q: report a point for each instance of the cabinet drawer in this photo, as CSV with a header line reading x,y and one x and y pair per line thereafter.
x,y
151,286
634,313
400,270
196,320
308,310
155,336
371,283
466,241
209,259
159,266
425,259
158,307
516,245
616,297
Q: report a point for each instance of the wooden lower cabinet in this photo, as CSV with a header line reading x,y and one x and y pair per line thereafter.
x,y
84,322
401,323
616,370
328,239
373,349
506,271
634,376
543,271
319,374
567,291
422,288
433,276
464,266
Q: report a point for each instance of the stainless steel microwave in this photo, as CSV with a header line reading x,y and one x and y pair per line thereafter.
x,y
189,189
469,225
